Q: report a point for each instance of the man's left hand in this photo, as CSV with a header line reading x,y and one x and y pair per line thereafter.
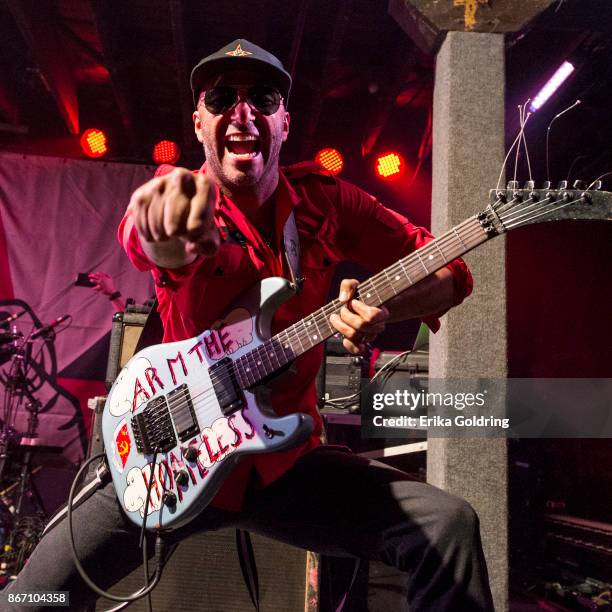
x,y
357,322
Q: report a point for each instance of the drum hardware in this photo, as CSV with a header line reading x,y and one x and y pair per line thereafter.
x,y
21,524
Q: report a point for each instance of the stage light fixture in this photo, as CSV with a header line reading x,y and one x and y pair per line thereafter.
x,y
331,160
166,152
389,166
555,81
94,143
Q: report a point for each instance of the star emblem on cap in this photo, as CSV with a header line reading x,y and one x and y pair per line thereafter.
x,y
238,52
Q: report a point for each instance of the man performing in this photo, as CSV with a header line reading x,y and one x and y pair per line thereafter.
x,y
207,237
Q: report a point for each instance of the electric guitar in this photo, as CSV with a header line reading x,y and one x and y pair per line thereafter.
x,y
194,405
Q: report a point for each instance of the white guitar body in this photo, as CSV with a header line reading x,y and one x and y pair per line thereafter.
x,y
172,387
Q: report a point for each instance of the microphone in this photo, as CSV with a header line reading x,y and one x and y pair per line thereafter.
x,y
569,108
47,328
13,317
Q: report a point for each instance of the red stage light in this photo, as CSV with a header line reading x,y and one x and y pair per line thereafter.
x,y
331,160
166,152
94,143
389,166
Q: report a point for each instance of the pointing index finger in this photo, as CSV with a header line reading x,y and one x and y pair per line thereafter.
x,y
202,209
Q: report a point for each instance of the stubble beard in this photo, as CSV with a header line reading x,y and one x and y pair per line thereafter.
x,y
239,181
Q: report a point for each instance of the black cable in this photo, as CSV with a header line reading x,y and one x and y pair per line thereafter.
x,y
159,548
146,507
143,539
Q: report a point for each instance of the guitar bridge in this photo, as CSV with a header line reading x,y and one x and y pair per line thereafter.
x,y
153,428
228,391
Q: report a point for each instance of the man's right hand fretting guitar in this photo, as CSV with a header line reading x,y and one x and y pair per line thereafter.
x,y
193,405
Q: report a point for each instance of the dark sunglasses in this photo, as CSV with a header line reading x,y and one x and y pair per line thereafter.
x,y
262,98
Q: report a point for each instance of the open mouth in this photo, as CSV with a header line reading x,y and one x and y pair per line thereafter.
x,y
243,146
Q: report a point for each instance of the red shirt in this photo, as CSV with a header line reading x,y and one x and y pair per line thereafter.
x,y
336,221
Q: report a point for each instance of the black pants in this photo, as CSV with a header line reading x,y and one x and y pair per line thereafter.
x,y
330,502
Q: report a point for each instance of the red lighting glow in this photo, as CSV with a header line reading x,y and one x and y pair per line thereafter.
x,y
166,152
331,160
389,166
94,143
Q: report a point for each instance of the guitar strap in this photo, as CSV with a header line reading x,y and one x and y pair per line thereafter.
x,y
153,330
291,242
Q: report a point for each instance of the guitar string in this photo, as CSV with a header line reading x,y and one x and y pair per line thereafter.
x,y
335,304
547,206
200,397
519,223
542,208
209,391
328,309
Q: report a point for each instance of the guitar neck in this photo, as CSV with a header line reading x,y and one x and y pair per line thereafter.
x,y
284,347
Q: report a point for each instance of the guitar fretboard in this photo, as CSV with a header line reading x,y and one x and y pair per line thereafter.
x,y
284,347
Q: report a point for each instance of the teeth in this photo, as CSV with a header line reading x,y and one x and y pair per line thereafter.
x,y
245,155
241,137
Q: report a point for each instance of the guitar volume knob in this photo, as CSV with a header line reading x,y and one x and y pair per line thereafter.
x,y
190,453
169,499
181,477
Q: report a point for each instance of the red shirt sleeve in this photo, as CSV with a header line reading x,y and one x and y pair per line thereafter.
x,y
376,237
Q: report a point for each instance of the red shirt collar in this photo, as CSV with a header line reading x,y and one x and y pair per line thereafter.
x,y
286,199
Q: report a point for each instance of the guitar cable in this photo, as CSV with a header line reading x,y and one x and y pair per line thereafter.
x,y
160,548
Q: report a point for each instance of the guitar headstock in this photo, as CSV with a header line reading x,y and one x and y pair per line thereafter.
x,y
515,207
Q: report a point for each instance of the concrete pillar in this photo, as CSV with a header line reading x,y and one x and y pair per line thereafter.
x,y
468,150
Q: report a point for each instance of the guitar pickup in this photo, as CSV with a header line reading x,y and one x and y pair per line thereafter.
x,y
183,414
228,391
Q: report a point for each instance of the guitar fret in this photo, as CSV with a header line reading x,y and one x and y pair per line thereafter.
x,y
369,288
272,352
421,260
390,282
459,238
297,334
240,368
261,362
314,338
306,331
401,262
247,369
324,320
439,250
287,346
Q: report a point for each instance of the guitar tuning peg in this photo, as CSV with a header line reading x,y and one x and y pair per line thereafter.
x,y
513,185
546,185
562,185
529,185
579,185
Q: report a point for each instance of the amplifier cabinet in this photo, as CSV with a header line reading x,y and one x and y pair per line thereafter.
x,y
125,333
204,574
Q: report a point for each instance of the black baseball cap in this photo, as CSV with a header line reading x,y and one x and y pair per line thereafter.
x,y
240,54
